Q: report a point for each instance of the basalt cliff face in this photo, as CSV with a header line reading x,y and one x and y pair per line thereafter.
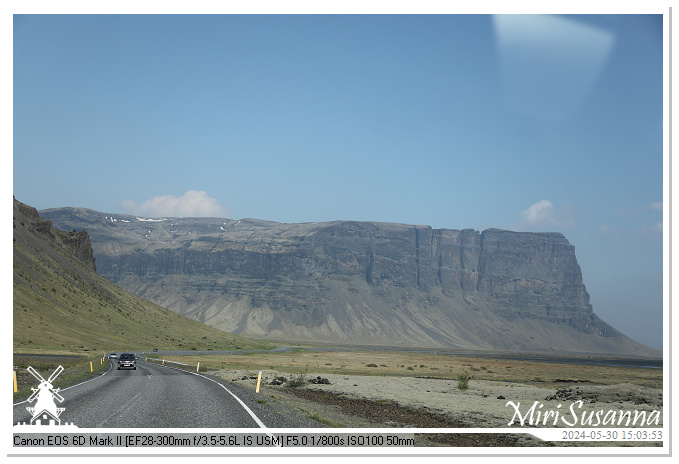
x,y
356,282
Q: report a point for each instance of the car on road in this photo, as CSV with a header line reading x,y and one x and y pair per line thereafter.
x,y
155,350
127,360
112,355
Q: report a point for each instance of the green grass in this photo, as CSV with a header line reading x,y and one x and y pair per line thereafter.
x,y
463,381
324,420
298,381
76,369
61,306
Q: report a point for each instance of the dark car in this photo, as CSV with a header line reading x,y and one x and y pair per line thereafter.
x,y
155,350
127,360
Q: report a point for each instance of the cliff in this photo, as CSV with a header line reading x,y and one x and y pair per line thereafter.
x,y
73,243
356,282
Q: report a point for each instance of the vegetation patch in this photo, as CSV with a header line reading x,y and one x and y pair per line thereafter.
x,y
463,381
298,381
76,369
391,363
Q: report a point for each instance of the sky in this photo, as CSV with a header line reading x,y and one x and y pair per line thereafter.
x,y
543,123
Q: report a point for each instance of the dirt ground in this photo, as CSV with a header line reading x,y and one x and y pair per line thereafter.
x,y
408,389
355,401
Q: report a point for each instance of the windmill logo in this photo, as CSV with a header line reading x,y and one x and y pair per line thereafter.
x,y
45,410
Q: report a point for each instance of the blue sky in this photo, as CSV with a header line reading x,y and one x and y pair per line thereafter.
x,y
520,122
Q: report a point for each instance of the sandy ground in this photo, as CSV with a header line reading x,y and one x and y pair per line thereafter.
x,y
486,403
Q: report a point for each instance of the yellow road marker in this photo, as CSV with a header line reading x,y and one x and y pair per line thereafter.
x,y
259,379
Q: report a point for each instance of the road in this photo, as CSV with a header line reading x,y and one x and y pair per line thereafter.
x,y
155,396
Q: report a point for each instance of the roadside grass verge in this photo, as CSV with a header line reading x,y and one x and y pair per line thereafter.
x,y
76,369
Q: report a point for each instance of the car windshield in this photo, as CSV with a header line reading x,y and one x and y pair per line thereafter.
x,y
126,356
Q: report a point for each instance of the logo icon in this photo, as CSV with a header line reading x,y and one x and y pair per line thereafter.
x,y
45,411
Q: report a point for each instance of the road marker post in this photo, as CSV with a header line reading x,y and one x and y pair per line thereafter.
x,y
259,379
91,369
163,362
15,381
197,367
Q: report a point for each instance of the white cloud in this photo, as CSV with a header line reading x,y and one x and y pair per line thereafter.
x,y
645,221
543,216
654,206
652,231
194,203
605,229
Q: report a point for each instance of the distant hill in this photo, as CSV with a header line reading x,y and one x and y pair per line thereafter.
x,y
362,283
60,304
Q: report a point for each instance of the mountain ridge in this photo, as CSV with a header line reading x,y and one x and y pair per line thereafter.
x,y
60,305
358,282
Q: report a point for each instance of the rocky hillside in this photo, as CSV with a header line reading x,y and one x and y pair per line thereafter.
x,y
61,305
356,282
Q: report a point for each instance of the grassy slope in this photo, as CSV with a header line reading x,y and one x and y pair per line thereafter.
x,y
61,305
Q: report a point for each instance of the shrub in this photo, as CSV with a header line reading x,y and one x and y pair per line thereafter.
x,y
463,381
296,382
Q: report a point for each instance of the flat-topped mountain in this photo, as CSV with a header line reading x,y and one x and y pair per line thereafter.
x,y
356,282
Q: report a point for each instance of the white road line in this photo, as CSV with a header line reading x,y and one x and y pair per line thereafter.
x,y
245,406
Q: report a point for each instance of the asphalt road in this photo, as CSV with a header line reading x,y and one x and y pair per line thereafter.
x,y
155,396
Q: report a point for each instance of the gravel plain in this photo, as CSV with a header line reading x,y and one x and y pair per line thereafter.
x,y
485,403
